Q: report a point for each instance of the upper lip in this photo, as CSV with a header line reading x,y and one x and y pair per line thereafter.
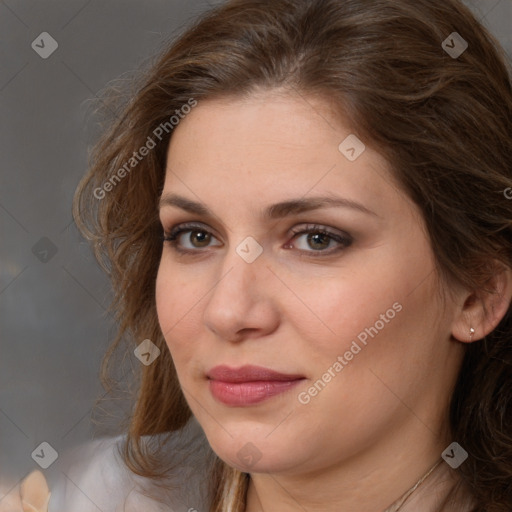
x,y
249,373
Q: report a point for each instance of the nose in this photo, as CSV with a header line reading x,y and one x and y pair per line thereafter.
x,y
243,303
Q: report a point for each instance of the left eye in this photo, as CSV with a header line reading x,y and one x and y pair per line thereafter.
x,y
318,239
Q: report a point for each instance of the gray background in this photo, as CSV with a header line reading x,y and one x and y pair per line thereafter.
x,y
54,327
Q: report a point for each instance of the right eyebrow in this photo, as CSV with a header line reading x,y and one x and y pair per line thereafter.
x,y
275,211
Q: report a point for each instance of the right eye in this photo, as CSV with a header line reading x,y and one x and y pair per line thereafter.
x,y
189,238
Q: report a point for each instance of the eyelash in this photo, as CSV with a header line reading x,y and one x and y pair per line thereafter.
x,y
344,240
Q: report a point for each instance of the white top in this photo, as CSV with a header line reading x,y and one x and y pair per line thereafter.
x,y
94,478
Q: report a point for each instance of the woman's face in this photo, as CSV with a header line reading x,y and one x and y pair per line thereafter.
x,y
299,300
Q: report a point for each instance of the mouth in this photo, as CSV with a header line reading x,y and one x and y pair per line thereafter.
x,y
248,385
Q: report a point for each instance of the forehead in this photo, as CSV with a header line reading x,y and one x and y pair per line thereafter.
x,y
270,147
272,118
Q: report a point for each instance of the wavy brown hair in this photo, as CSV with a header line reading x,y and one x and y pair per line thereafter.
x,y
444,124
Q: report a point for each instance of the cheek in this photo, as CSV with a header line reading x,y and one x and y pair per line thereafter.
x,y
177,301
176,297
165,299
339,307
380,314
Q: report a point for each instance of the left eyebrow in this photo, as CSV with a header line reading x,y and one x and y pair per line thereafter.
x,y
275,211
301,205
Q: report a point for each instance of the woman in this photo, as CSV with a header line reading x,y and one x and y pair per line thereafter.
x,y
303,215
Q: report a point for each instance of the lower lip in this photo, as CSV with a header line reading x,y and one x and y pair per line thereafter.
x,y
249,393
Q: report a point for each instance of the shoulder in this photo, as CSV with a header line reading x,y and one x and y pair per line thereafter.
x,y
94,477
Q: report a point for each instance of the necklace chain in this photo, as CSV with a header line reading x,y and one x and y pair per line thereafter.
x,y
404,498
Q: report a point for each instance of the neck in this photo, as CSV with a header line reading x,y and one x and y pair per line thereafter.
x,y
376,481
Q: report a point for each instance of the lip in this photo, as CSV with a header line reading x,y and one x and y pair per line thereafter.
x,y
248,384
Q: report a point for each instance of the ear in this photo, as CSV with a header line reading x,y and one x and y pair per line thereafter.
x,y
482,310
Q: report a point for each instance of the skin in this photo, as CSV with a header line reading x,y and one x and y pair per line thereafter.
x,y
381,422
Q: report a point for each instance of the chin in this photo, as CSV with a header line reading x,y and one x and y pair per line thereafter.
x,y
252,450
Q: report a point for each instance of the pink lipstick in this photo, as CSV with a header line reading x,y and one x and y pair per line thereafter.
x,y
248,384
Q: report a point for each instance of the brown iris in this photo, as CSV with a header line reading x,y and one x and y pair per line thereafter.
x,y
200,238
318,240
